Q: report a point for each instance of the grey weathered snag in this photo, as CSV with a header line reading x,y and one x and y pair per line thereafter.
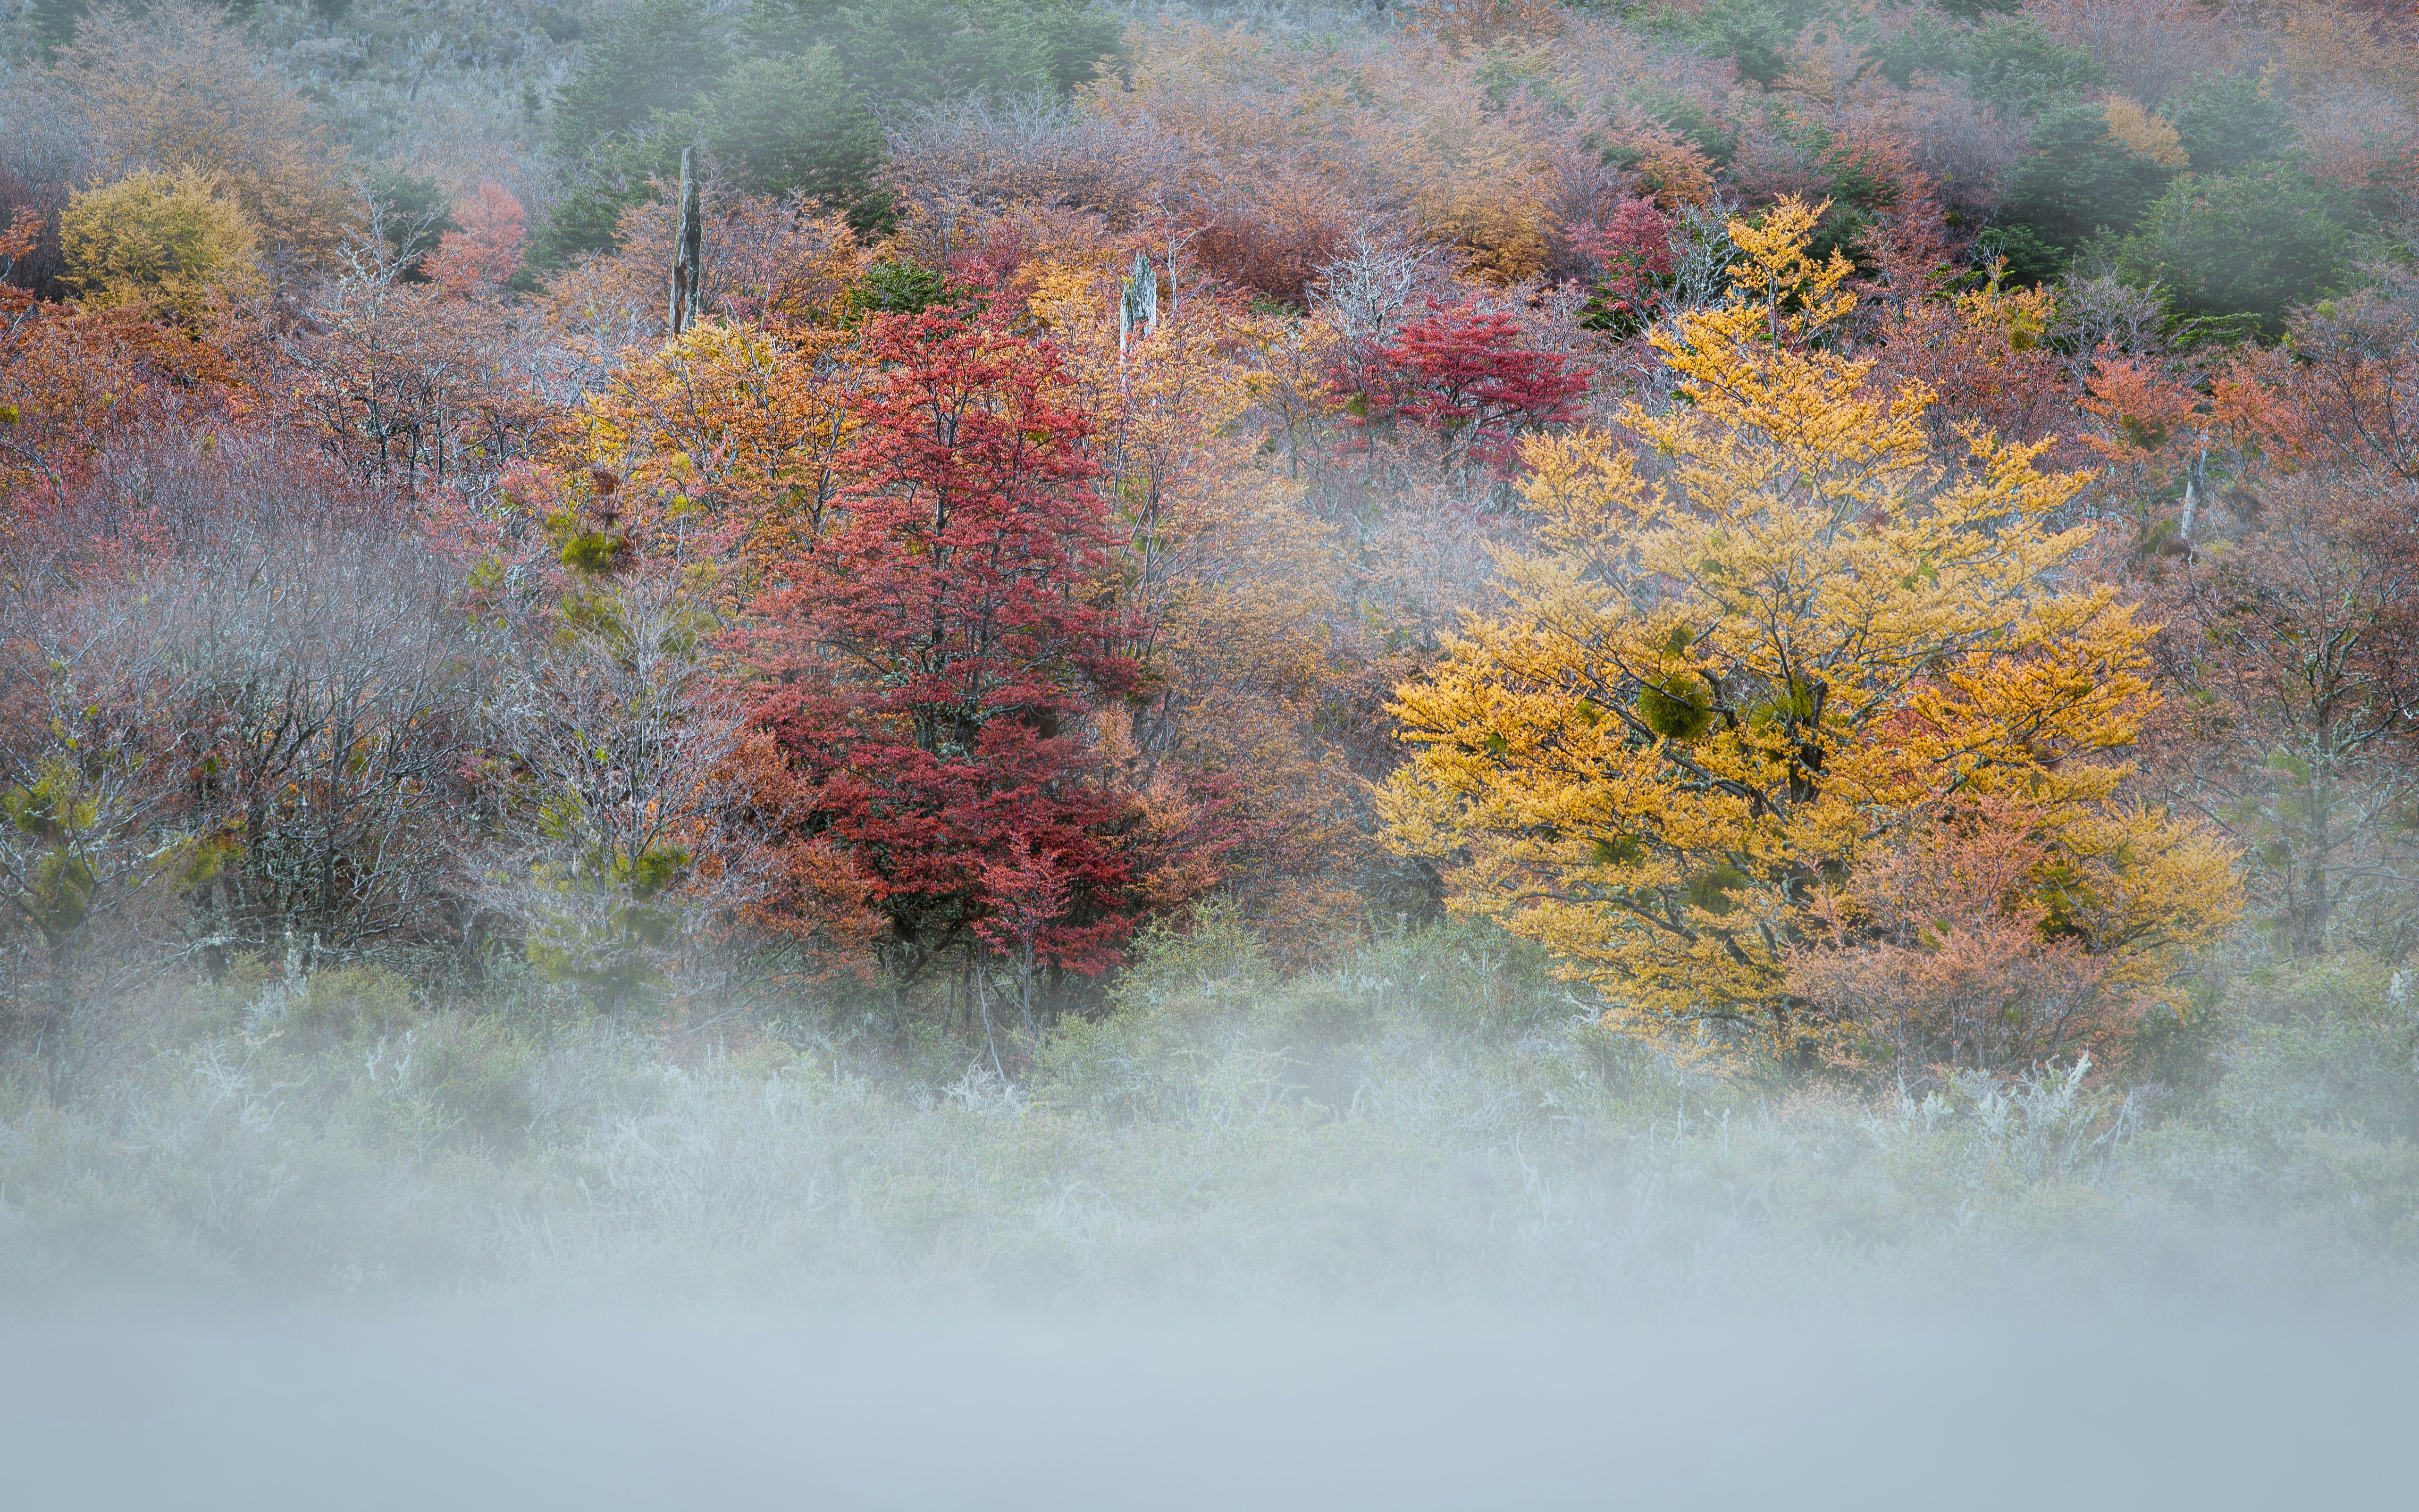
x,y
688,251
1138,303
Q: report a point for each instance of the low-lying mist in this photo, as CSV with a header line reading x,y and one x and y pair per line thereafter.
x,y
1409,1234
1404,1413
1433,1124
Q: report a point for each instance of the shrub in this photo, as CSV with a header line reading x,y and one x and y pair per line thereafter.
x,y
2078,179
344,1007
2331,1045
163,243
2254,243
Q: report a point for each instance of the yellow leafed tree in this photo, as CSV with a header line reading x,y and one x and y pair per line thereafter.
x,y
735,424
162,243
173,85
1737,669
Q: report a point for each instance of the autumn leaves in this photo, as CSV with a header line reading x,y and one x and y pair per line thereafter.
x,y
1781,654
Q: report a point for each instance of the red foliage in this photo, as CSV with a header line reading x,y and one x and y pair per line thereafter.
x,y
483,257
1630,254
1460,373
1275,239
928,661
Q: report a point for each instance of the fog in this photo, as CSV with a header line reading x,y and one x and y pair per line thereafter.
x,y
1540,1269
281,1411
1408,1236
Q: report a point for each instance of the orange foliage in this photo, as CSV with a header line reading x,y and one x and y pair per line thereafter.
x,y
1671,170
483,257
1475,26
173,85
72,382
1943,953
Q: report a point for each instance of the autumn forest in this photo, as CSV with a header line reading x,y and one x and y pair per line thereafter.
x,y
1030,651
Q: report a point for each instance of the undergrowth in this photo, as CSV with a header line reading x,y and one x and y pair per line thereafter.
x,y
1437,1122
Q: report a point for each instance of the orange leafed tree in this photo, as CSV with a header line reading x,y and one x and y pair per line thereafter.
x,y
483,257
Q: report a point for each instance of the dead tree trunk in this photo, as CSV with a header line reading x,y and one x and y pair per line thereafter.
x,y
688,251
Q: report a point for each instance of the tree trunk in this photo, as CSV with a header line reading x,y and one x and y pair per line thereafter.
x,y
688,251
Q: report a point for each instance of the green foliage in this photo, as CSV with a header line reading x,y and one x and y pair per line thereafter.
x,y
771,126
895,287
1713,135
2078,181
2014,64
782,126
657,58
2230,120
54,22
1210,953
412,205
1681,708
1976,10
2252,245
1859,193
924,51
587,216
1711,890
346,1008
475,1075
1755,35
592,552
794,116
2017,64
603,932
59,817
2326,1044
2030,257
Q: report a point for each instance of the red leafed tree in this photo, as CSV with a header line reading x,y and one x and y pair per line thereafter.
x,y
928,663
483,257
1027,894
1631,253
1461,372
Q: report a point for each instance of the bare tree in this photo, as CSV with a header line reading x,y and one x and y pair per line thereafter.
x,y
88,801
620,854
319,661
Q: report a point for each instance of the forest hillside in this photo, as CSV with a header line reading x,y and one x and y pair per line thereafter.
x,y
1019,650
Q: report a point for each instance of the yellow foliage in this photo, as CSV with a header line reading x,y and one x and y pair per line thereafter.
x,y
161,242
738,420
2333,47
2144,135
1672,170
1775,286
1233,582
1725,676
172,85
